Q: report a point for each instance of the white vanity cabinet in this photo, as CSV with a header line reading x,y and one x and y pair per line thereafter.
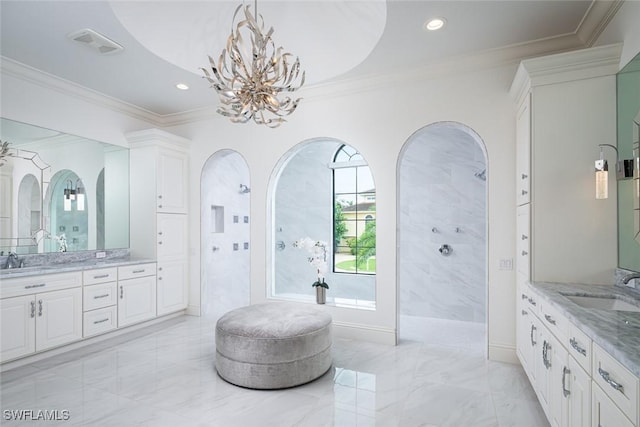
x,y
39,313
136,293
159,221
100,299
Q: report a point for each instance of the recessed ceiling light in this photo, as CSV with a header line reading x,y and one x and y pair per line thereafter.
x,y
182,86
434,24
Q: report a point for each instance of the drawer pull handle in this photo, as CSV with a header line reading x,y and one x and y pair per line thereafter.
x,y
550,319
533,328
524,312
33,309
525,253
101,276
524,176
532,301
121,292
577,347
101,321
101,296
524,192
41,285
605,376
524,237
524,296
40,308
138,271
545,353
565,371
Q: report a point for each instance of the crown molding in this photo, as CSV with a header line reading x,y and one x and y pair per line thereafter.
x,y
600,13
45,80
156,137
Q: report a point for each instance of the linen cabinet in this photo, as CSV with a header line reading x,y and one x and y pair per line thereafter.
x,y
159,206
565,107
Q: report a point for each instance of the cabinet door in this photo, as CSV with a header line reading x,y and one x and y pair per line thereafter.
x,y
525,333
17,322
136,300
580,397
59,318
172,236
523,152
173,191
172,286
559,392
604,412
523,241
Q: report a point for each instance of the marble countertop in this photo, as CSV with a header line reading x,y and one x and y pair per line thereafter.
x,y
618,332
77,265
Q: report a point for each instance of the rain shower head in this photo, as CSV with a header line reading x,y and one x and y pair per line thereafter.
x,y
244,189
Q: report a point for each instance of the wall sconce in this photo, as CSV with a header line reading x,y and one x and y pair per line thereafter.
x,y
624,170
71,193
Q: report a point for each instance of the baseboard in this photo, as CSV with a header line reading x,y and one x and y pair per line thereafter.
x,y
364,333
193,310
503,353
115,334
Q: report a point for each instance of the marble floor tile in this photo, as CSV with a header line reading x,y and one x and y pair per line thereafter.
x,y
165,376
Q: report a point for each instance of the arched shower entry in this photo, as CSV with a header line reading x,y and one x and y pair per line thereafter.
x,y
442,256
224,233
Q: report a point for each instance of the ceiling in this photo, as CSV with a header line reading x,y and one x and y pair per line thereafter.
x,y
342,40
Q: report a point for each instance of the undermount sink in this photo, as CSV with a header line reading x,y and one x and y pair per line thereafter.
x,y
604,302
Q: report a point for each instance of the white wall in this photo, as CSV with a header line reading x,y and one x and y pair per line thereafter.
x,y
377,122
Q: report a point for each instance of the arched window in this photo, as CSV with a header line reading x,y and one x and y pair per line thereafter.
x,y
354,212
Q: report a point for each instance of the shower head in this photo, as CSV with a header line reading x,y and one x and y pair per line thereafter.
x,y
244,189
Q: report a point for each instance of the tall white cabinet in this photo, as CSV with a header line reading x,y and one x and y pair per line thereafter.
x,y
565,107
159,197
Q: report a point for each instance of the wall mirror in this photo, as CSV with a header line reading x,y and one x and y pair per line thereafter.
x,y
61,192
628,123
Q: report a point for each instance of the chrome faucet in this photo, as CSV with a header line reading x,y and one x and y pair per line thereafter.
x,y
626,279
12,261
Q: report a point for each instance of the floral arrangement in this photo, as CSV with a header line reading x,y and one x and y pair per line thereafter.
x,y
318,258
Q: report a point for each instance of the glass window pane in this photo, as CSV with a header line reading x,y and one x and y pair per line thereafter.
x,y
365,180
344,180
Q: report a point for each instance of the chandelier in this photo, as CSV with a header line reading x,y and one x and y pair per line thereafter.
x,y
251,79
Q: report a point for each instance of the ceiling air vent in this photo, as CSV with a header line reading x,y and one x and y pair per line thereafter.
x,y
96,41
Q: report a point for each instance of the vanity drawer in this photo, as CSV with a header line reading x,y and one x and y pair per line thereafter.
x,y
616,381
33,284
99,321
102,275
99,296
555,321
579,345
133,271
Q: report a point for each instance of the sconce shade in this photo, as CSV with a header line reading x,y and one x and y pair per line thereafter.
x,y
80,199
602,179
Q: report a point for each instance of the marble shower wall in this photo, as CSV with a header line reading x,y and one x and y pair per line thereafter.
x,y
225,225
303,208
442,189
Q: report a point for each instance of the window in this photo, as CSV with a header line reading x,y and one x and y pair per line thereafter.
x,y
354,213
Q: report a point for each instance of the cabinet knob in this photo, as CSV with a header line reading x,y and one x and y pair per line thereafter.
x,y
525,176
160,196
525,192
159,268
160,242
159,233
524,237
160,206
159,277
525,253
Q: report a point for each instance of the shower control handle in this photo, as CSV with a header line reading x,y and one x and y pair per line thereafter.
x,y
445,250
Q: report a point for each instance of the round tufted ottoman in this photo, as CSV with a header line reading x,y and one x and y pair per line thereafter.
x,y
273,345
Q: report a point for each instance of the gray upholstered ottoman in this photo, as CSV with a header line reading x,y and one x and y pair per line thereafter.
x,y
273,345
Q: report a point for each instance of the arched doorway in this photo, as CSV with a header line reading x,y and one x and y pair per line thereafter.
x,y
442,256
224,233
